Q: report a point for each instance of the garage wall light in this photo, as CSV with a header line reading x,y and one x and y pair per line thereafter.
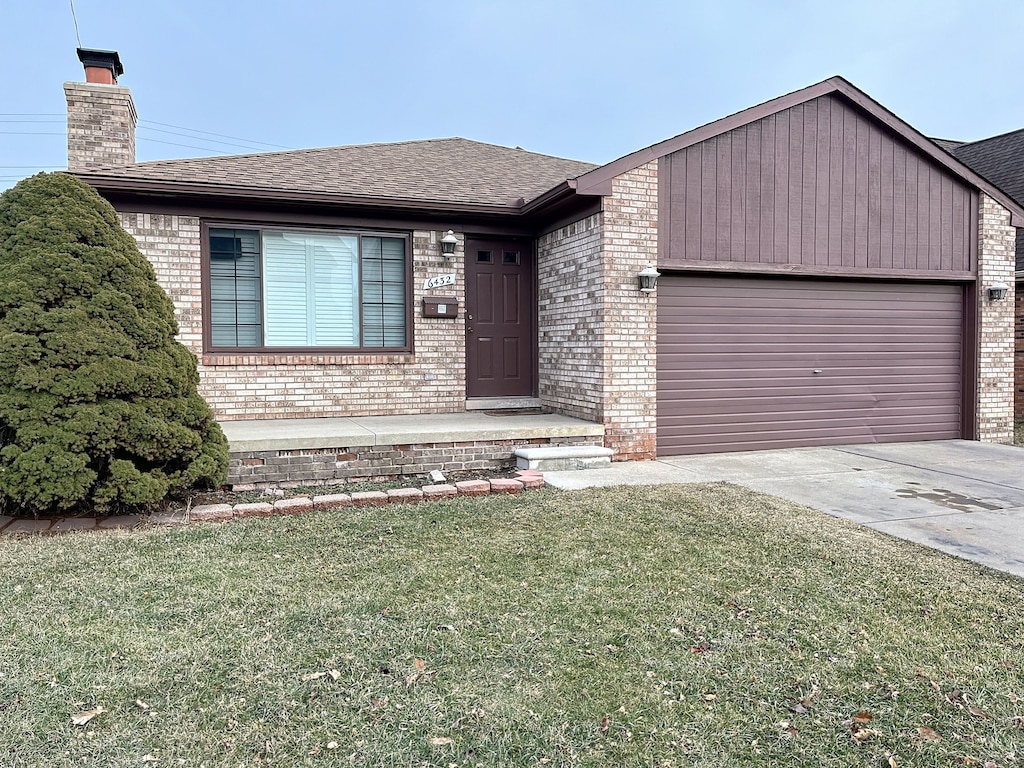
x,y
448,243
998,291
648,278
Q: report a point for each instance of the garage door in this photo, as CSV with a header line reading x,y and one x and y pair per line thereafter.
x,y
756,363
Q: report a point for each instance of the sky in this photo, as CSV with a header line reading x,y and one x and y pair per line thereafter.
x,y
584,79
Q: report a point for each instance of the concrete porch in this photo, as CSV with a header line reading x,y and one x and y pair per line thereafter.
x,y
268,452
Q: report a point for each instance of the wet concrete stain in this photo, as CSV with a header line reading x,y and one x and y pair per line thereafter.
x,y
946,498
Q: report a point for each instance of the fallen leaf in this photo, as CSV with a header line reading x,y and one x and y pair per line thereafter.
x,y
332,745
979,713
709,697
928,734
863,734
604,724
150,759
892,760
862,717
798,709
420,664
142,705
313,676
84,717
440,741
700,647
787,729
335,674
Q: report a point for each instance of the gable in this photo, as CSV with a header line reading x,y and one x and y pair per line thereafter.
x,y
820,184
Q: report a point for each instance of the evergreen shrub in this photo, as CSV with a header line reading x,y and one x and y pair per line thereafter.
x,y
99,407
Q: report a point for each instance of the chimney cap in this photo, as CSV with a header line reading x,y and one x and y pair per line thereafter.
x,y
91,57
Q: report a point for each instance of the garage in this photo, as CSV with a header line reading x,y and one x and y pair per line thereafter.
x,y
760,362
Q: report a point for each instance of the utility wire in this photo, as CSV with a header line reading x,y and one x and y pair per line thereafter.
x,y
248,145
75,18
208,133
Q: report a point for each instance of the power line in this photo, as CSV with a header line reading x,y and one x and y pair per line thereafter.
x,y
209,133
210,141
31,133
75,18
175,144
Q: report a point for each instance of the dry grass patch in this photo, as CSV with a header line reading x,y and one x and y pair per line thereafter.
x,y
672,626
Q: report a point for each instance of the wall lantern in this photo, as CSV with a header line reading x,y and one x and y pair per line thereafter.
x,y
448,243
998,291
649,279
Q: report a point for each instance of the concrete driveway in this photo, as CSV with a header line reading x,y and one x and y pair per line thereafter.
x,y
959,496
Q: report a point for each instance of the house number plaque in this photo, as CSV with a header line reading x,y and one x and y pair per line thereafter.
x,y
439,281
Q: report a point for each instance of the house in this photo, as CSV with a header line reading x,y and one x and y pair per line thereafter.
x,y
1000,159
824,280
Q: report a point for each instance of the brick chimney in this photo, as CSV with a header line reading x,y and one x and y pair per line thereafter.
x,y
101,114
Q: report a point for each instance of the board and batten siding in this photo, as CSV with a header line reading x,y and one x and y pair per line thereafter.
x,y
819,186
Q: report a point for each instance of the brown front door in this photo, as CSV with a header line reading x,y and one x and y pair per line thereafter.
x,y
499,319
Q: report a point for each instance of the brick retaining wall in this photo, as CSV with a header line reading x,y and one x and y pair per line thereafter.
x,y
323,466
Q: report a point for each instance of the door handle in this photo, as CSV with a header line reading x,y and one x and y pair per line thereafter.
x,y
469,329
816,370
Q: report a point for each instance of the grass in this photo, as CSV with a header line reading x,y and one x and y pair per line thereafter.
x,y
671,626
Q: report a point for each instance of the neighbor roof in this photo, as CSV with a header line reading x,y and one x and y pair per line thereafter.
x,y
451,171
999,159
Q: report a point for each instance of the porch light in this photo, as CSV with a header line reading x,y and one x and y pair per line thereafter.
x,y
649,279
998,291
448,243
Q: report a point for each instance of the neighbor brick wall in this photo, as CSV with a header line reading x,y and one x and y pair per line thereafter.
x,y
996,261
432,380
101,125
631,317
570,279
1018,357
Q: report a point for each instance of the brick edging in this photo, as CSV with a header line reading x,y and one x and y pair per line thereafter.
x,y
218,513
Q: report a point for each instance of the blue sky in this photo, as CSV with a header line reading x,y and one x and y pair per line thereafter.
x,y
586,79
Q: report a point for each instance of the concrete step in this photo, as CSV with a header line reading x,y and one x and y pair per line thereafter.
x,y
563,457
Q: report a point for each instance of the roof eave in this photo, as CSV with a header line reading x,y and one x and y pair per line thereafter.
x,y
149,187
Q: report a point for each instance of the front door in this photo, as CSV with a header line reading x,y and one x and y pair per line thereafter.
x,y
499,318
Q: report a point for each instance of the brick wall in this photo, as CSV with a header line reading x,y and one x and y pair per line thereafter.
x,y
571,289
101,125
378,462
432,380
598,332
631,317
996,257
1018,357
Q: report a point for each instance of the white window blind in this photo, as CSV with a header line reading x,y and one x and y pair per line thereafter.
x,y
310,290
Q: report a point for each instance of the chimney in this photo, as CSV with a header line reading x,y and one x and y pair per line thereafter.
x,y
101,114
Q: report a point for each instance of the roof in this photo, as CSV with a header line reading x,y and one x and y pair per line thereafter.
x,y
948,144
999,159
449,171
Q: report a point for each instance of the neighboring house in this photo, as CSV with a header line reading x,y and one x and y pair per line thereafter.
x,y
1000,159
824,277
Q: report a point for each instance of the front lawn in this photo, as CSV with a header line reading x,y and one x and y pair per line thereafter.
x,y
671,626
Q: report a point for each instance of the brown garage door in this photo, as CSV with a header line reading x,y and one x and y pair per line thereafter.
x,y
754,363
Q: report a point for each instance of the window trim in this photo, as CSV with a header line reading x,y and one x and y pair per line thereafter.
x,y
260,226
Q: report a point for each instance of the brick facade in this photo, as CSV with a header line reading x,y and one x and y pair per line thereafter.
x,y
598,332
101,125
378,462
996,257
630,317
1018,357
570,282
432,380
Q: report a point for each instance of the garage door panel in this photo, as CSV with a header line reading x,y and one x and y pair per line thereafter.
x,y
736,358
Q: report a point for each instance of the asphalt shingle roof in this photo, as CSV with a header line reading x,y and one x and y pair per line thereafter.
x,y
435,170
999,159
